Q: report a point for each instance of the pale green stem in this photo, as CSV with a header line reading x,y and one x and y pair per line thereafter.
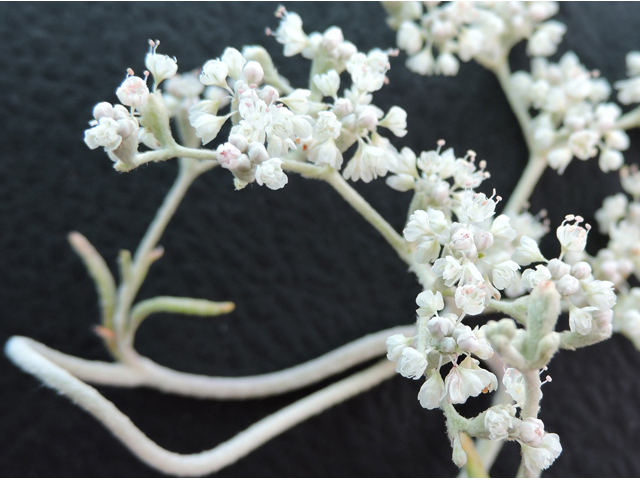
x,y
533,392
537,160
143,256
520,196
167,154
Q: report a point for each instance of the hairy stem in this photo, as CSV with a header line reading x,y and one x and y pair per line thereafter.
x,y
202,463
629,120
536,166
146,373
143,257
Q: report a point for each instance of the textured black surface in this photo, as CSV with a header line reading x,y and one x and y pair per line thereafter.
x,y
306,272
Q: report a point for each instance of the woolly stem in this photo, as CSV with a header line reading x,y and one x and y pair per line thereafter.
x,y
146,373
209,461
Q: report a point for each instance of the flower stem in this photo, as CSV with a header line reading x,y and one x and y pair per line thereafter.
x,y
529,179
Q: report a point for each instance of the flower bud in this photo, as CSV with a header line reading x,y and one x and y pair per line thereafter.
x,y
558,268
581,270
253,72
532,431
483,240
447,345
567,285
440,327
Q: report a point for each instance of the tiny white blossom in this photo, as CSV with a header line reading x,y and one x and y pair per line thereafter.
x,y
581,270
567,285
412,363
531,278
447,64
540,458
208,126
513,382
429,303
104,134
161,67
133,92
270,173
531,431
528,252
580,319
396,121
328,83
234,60
327,126
297,101
422,62
368,71
499,420
409,38
559,159
600,294
477,207
395,345
253,72
291,35
471,299
326,153
467,379
432,391
504,274
440,327
544,42
583,144
572,237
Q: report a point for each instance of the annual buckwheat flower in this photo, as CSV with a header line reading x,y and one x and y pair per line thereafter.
x,y
599,293
290,33
215,72
429,303
103,134
270,173
409,38
513,382
412,363
471,299
395,345
573,237
208,126
580,319
235,62
161,67
528,252
531,431
432,391
396,121
541,458
531,278
133,92
328,83
499,420
467,379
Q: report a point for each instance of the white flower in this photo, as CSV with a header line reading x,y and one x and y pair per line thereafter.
x,y
540,458
468,380
270,173
133,92
447,64
395,345
544,42
298,101
449,269
567,285
581,270
402,182
633,63
471,298
326,153
461,238
501,228
528,252
369,162
253,72
629,90
421,223
432,391
573,238
208,126
558,268
368,71
504,274
409,37
412,363
231,158
513,382
600,294
531,431
160,66
440,327
580,319
327,126
429,303
235,62
396,121
104,134
422,62
559,158
477,207
328,83
291,35
499,420
465,338
613,209
583,143
531,278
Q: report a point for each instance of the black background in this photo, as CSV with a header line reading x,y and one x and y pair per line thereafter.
x,y
307,274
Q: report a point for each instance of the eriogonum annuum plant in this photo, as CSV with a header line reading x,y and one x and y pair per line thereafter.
x,y
470,259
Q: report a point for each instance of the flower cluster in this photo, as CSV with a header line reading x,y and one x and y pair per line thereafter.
x,y
440,340
590,301
573,119
484,31
629,90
